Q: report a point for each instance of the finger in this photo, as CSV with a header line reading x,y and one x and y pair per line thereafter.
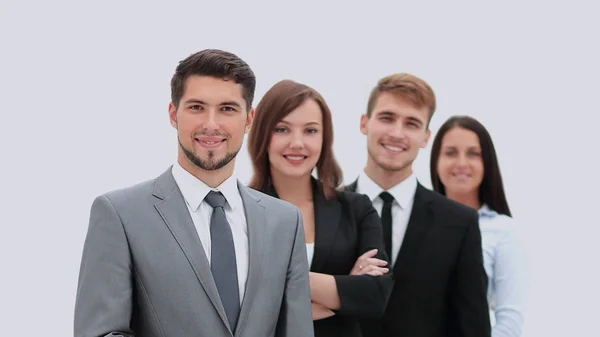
x,y
364,260
356,270
368,254
369,269
376,262
375,273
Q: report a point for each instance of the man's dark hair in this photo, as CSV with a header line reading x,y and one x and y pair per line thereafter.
x,y
215,63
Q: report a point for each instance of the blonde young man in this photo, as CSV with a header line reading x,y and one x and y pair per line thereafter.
x,y
434,244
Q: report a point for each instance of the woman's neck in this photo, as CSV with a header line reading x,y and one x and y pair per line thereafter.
x,y
468,199
298,191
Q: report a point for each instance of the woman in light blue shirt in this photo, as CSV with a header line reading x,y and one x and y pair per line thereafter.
x,y
464,167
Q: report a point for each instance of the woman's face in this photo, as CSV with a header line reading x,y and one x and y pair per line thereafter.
x,y
460,165
297,140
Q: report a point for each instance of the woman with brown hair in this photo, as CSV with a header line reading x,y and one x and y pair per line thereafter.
x,y
291,136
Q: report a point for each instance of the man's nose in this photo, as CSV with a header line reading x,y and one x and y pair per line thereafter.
x,y
398,131
211,122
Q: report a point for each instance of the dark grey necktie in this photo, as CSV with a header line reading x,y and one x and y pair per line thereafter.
x,y
386,221
222,260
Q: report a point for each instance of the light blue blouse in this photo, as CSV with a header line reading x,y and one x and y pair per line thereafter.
x,y
504,264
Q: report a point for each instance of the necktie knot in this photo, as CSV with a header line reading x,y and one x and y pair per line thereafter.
x,y
215,199
386,197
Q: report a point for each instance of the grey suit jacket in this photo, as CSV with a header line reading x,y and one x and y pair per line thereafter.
x,y
144,272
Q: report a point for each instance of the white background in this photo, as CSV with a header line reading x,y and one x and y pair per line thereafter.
x,y
85,87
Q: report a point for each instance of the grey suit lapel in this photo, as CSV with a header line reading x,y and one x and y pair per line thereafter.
x,y
256,220
173,210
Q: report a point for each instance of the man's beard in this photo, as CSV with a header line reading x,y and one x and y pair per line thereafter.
x,y
211,163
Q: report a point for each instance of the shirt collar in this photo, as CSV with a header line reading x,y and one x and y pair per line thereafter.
x,y
486,211
403,192
195,190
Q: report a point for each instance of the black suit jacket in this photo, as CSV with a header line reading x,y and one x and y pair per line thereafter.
x,y
346,227
440,282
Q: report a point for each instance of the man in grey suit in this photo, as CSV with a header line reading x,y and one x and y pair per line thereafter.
x,y
194,252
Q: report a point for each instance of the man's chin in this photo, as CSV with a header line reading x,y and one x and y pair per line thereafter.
x,y
391,166
213,164
209,163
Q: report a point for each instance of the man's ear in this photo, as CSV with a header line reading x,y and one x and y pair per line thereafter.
x,y
173,115
249,120
363,124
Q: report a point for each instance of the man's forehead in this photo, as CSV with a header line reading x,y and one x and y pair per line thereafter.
x,y
212,94
398,112
393,101
213,84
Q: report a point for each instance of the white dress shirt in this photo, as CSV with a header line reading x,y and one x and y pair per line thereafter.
x,y
502,257
404,196
310,251
194,191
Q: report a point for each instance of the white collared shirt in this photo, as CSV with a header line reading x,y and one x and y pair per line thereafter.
x,y
503,261
194,191
404,196
310,252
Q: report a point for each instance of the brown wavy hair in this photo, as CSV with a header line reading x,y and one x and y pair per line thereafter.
x,y
276,104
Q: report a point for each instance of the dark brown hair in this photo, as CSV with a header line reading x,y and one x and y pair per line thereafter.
x,y
405,86
215,63
491,190
278,102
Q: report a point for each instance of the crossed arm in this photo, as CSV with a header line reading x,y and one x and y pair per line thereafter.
x,y
324,292
366,289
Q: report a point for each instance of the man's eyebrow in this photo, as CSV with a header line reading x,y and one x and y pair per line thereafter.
x,y
194,100
386,113
415,120
233,103
199,101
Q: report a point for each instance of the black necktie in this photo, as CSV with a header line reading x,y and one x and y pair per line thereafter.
x,y
223,264
386,221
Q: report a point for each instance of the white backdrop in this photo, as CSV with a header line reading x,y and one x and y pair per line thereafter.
x,y
85,88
